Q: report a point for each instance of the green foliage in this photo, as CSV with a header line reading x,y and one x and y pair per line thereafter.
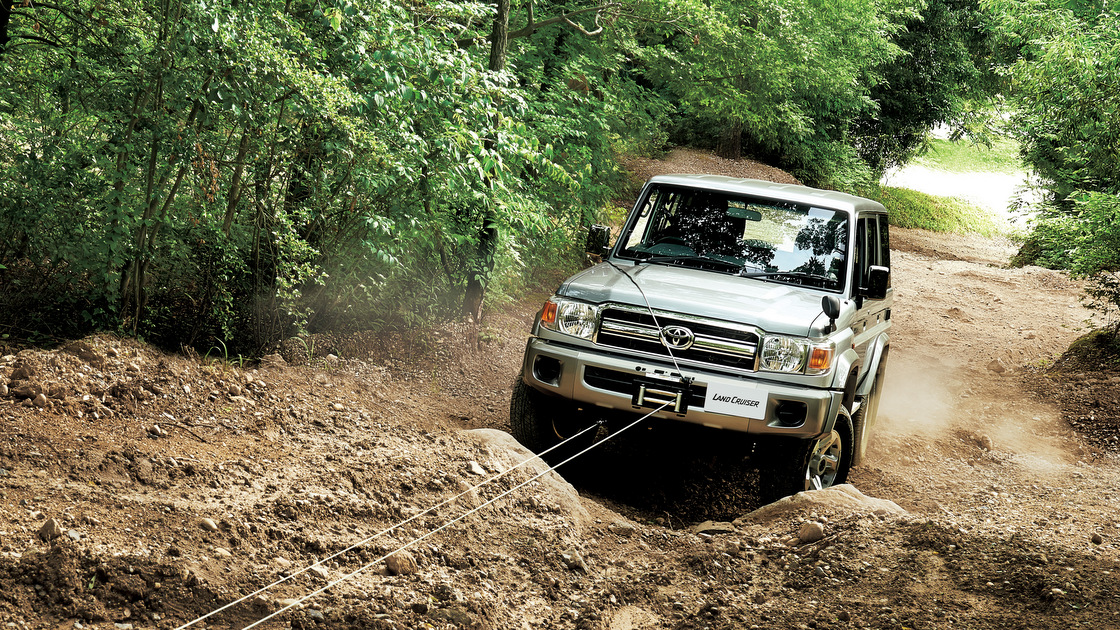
x,y
1086,241
1067,95
198,173
778,78
1067,101
913,209
945,74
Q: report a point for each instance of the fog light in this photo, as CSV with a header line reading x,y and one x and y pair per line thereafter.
x,y
791,413
547,370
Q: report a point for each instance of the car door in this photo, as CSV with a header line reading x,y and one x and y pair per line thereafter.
x,y
872,315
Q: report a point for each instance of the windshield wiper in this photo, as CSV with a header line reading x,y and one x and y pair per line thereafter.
x,y
689,257
791,274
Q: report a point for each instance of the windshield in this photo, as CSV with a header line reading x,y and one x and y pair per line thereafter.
x,y
759,237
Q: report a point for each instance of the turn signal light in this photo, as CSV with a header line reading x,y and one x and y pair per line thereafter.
x,y
548,313
820,359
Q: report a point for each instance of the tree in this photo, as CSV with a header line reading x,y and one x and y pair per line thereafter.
x,y
946,74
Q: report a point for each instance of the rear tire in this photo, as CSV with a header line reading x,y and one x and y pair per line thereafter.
x,y
540,422
790,465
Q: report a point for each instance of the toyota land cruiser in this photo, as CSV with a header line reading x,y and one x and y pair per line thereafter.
x,y
738,304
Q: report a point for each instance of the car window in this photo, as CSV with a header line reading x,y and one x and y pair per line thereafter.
x,y
725,232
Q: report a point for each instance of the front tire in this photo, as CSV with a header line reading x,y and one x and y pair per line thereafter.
x,y
540,422
791,465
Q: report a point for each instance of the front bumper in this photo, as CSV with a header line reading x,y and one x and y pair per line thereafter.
x,y
611,382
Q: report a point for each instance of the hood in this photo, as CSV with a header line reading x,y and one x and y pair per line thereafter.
x,y
773,307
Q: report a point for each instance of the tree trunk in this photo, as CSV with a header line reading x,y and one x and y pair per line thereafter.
x,y
483,261
731,142
5,17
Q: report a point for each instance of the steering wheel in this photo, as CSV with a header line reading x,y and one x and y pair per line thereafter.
x,y
672,240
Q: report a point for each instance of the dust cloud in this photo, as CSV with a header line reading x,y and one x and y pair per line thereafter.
x,y
965,412
920,396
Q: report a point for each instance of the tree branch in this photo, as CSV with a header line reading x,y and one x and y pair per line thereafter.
x,y
36,38
564,19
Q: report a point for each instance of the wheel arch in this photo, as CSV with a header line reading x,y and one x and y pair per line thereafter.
x,y
876,356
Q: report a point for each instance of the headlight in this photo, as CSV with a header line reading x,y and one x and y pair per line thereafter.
x,y
795,355
578,319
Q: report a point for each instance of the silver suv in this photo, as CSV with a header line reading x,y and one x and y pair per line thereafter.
x,y
738,304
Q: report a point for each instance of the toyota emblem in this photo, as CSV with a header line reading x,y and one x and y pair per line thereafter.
x,y
677,337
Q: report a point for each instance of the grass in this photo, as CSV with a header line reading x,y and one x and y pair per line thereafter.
x,y
913,209
963,156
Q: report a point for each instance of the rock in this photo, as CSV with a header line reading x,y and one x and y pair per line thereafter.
x,y
620,528
281,562
811,532
475,468
844,616
234,389
208,524
573,560
1096,539
50,530
337,407
74,535
222,552
843,498
444,592
133,367
273,361
3,389
23,389
553,490
997,366
122,626
332,359
41,400
4,472
22,372
402,563
318,571
85,352
315,615
713,527
452,615
985,442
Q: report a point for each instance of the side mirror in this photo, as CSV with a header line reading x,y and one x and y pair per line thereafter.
x,y
830,304
598,240
878,279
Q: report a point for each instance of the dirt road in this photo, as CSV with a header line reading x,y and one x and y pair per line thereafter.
x,y
989,511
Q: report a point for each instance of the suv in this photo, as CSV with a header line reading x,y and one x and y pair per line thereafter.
x,y
737,304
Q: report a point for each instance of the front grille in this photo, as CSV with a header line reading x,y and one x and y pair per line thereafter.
x,y
716,343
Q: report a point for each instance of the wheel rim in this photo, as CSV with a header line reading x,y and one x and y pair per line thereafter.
x,y
824,463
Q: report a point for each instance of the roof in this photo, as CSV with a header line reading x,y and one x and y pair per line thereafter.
x,y
784,192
